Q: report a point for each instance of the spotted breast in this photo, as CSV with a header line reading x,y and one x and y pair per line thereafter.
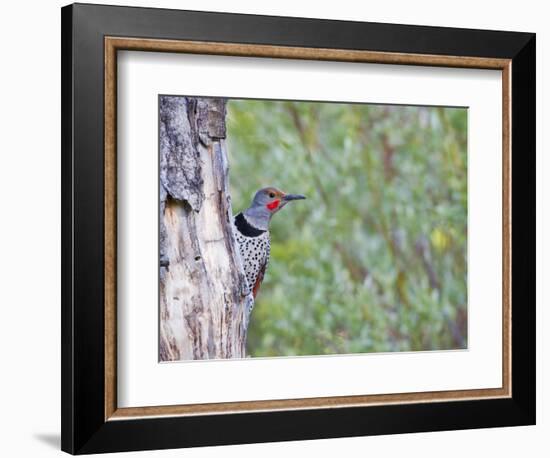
x,y
254,248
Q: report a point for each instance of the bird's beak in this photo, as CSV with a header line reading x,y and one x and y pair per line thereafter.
x,y
289,197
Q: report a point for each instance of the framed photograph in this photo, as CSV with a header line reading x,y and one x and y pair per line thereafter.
x,y
281,229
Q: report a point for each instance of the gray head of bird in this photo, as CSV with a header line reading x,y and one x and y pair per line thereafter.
x,y
267,202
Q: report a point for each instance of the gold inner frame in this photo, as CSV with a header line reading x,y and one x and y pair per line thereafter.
x,y
112,45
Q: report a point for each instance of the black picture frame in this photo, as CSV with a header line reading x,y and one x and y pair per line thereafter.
x,y
84,428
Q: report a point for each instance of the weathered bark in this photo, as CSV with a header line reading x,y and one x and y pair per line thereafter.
x,y
202,284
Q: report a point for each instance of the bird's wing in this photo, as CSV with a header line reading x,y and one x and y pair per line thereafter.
x,y
259,280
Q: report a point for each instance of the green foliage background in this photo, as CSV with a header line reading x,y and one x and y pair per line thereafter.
x,y
375,260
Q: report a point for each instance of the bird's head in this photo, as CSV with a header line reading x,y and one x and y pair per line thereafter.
x,y
272,199
267,202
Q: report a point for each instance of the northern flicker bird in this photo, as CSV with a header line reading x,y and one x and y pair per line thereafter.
x,y
251,229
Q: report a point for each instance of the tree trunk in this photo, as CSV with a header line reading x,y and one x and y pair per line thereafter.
x,y
203,301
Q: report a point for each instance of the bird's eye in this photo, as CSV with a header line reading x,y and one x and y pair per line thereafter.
x,y
272,195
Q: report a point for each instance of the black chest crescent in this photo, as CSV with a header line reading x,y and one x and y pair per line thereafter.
x,y
245,228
